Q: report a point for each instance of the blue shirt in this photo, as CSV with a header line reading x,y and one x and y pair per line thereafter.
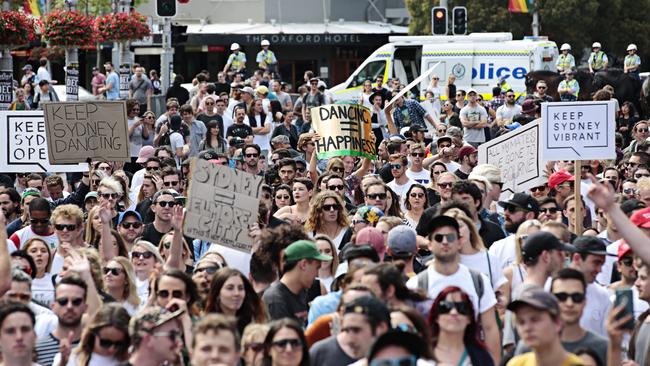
x,y
114,92
322,305
409,114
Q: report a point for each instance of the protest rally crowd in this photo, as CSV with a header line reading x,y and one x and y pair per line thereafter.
x,y
412,258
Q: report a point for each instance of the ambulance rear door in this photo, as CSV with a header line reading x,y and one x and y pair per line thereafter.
x,y
452,58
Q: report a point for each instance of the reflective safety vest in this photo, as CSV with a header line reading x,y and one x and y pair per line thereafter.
x,y
632,60
237,60
565,62
597,61
267,57
571,84
505,86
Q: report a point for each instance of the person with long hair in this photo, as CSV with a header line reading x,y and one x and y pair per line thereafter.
x,y
366,92
165,250
327,269
454,330
416,202
42,286
393,205
252,344
93,227
105,340
302,189
119,282
327,216
285,344
144,257
214,138
233,295
282,197
515,272
436,169
408,319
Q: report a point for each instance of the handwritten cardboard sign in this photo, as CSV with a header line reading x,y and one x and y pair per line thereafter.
x,y
77,131
517,154
578,130
24,145
344,129
222,205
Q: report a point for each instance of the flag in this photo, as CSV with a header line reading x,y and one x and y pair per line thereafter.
x,y
34,7
520,6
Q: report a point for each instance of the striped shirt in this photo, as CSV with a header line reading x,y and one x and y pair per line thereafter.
x,y
47,347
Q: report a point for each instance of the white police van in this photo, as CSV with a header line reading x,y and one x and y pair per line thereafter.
x,y
478,61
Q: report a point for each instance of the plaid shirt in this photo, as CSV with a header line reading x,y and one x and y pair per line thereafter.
x,y
409,114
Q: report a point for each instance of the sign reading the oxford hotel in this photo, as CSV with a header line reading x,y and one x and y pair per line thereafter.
x,y
303,39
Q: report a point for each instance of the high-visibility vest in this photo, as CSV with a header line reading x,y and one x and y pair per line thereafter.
x,y
597,62
237,61
632,60
571,84
565,61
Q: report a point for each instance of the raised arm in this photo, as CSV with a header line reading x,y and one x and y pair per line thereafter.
x,y
106,248
175,258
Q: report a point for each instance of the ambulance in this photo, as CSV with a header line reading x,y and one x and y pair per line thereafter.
x,y
477,60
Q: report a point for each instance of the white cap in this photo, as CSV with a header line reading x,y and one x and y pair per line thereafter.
x,y
234,46
565,46
596,45
472,91
265,42
632,46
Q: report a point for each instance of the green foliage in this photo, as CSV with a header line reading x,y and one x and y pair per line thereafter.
x,y
420,11
92,7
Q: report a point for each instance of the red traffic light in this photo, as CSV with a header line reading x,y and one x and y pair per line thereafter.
x,y
440,14
183,1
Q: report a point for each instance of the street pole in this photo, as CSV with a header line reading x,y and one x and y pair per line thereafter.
x,y
71,65
167,56
535,24
126,58
6,78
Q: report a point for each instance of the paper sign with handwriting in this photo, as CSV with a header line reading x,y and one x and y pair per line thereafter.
x,y
77,131
344,129
222,205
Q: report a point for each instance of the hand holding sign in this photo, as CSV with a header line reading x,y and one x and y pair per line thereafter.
x,y
343,129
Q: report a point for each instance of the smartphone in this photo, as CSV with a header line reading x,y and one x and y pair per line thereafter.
x,y
624,296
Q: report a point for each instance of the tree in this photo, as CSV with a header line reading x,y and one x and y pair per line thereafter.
x,y
420,11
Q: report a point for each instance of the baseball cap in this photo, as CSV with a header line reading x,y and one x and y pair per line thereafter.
x,y
472,91
623,250
27,67
558,178
372,236
262,89
641,218
438,222
373,308
443,139
353,251
632,205
304,249
132,213
465,151
145,153
402,240
523,201
151,318
538,298
91,194
540,241
396,137
417,128
248,89
412,342
528,106
590,245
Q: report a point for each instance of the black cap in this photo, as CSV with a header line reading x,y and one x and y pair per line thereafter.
x,y
536,297
438,222
523,201
632,204
371,307
590,245
353,251
417,128
412,342
540,241
444,138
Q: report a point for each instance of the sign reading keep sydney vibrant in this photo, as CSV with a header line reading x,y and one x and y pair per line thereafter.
x,y
578,130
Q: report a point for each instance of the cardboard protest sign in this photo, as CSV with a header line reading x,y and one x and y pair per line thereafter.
x,y
77,131
518,155
24,142
578,130
344,129
222,205
6,89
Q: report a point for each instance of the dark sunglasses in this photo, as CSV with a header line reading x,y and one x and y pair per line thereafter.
x,y
176,294
440,237
171,184
417,155
337,170
445,185
150,168
416,195
128,225
396,166
410,360
256,347
376,196
576,297
550,210
282,343
109,195
333,207
63,227
39,221
113,271
208,270
251,155
145,255
21,297
107,343
444,307
63,301
538,189
513,209
627,261
164,204
339,187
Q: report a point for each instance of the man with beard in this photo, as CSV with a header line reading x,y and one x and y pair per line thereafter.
x,y
10,204
446,270
519,208
130,227
468,158
252,154
508,110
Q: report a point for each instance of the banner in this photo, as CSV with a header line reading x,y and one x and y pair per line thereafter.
x,y
72,82
6,89
77,131
24,141
517,155
125,80
222,205
344,129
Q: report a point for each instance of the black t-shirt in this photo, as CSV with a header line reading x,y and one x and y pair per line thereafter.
x,y
461,175
152,235
329,352
221,87
205,119
239,130
282,303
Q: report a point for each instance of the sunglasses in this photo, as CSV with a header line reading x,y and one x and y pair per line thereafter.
x,y
208,270
164,204
396,166
440,237
251,155
333,207
128,225
282,197
442,130
144,255
541,87
397,361
642,130
171,184
551,210
576,297
337,170
63,301
113,271
444,307
107,343
445,185
150,168
513,209
209,103
176,294
63,227
39,221
21,297
417,155
283,343
538,189
628,190
417,195
108,195
339,187
376,196
256,347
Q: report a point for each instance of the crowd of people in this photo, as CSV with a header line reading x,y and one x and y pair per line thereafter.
x,y
413,258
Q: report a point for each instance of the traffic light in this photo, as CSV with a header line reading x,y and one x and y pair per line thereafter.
x,y
439,20
166,8
459,19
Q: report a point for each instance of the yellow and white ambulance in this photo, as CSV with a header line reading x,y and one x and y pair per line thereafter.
x,y
477,60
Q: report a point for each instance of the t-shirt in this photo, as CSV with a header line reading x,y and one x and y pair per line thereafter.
x,y
95,360
239,130
114,92
506,112
21,236
422,177
487,264
139,89
473,114
400,190
596,309
135,140
43,289
328,352
641,344
282,303
176,141
152,235
590,341
47,347
505,250
528,359
452,166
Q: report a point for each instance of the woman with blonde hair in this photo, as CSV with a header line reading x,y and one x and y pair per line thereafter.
x,y
144,257
119,282
327,216
165,246
93,227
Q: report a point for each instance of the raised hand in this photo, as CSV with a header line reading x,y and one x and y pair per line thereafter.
x,y
177,217
601,194
105,213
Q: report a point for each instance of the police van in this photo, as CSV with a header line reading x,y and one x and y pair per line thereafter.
x,y
477,60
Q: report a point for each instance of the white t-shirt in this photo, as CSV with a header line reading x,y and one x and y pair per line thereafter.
x,y
21,236
401,190
605,276
234,258
479,262
506,112
463,279
176,141
142,289
135,140
422,177
43,289
57,263
505,250
264,141
452,166
596,309
95,360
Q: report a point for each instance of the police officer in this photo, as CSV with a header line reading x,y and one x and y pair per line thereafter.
x,y
597,59
569,87
266,58
632,62
565,61
236,61
503,84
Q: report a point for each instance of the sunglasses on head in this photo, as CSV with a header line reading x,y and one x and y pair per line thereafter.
x,y
135,225
63,301
176,294
440,237
332,207
113,271
144,255
63,227
576,297
445,307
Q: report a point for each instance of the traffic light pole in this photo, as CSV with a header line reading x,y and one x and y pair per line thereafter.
x,y
167,56
126,58
71,65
